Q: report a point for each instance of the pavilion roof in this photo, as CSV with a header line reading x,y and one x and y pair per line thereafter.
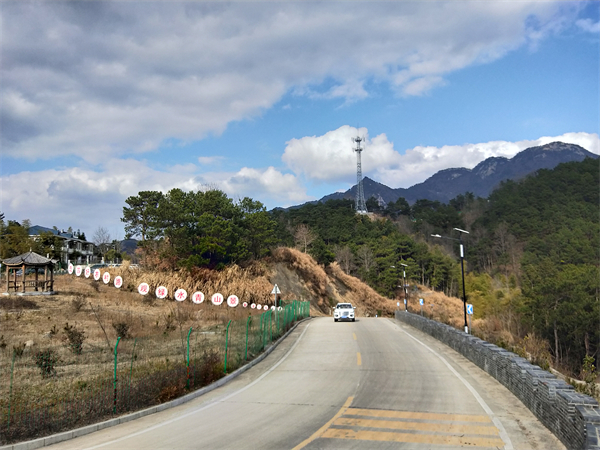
x,y
29,259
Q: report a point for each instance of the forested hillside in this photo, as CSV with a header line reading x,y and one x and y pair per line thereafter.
x,y
532,255
532,252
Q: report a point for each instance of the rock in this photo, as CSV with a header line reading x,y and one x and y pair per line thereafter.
x,y
29,344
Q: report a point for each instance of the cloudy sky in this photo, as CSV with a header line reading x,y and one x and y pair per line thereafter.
x,y
100,100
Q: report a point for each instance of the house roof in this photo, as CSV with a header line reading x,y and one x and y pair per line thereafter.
x,y
38,229
29,259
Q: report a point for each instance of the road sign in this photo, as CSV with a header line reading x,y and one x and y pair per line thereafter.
x,y
275,290
469,308
405,301
421,301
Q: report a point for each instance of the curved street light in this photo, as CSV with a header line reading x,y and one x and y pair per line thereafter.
x,y
462,269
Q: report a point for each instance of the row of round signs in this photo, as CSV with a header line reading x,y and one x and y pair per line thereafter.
x,y
162,292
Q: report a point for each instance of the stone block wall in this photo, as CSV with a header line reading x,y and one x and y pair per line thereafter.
x,y
573,417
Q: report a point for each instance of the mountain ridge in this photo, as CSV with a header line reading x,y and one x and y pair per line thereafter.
x,y
446,184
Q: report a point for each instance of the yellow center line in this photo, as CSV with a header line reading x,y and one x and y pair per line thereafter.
x,y
321,430
358,360
451,428
416,415
354,336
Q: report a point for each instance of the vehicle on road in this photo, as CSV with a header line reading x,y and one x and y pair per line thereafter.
x,y
343,311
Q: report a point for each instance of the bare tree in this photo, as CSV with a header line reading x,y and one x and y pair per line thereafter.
x,y
101,238
345,258
304,236
366,257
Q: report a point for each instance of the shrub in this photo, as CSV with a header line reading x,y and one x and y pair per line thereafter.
x,y
122,329
75,338
46,360
77,303
19,349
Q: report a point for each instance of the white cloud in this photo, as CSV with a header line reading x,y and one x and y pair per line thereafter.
x,y
588,25
100,79
209,160
330,158
86,199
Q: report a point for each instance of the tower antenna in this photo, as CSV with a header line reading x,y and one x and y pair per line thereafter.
x,y
361,205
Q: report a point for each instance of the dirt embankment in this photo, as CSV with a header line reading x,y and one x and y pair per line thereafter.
x,y
95,307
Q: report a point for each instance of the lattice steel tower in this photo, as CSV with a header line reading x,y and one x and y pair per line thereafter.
x,y
361,205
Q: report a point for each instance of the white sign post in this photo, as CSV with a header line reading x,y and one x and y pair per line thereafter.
x,y
275,291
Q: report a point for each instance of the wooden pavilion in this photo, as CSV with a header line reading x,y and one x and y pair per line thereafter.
x,y
29,260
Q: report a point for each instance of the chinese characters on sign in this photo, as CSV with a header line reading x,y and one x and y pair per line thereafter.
x,y
118,281
217,299
78,271
106,277
87,272
161,292
233,301
70,269
180,295
198,297
97,274
143,288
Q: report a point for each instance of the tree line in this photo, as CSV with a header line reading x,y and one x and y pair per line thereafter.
x,y
532,252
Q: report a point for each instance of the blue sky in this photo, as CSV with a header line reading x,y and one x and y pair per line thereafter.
x,y
101,100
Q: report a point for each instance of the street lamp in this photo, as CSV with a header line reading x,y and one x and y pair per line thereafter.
x,y
462,269
404,284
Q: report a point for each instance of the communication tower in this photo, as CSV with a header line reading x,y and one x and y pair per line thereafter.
x,y
361,205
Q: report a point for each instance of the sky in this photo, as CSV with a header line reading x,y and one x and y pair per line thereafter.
x,y
102,100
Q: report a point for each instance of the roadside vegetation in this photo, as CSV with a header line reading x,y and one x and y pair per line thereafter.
x,y
532,256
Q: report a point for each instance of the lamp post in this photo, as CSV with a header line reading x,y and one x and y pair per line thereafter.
x,y
462,269
403,284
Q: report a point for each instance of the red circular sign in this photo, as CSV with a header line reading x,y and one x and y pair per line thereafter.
x,y
245,304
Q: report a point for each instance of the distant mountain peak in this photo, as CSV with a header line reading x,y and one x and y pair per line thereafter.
x,y
481,180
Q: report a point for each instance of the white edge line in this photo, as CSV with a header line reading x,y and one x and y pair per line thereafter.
x,y
209,405
503,434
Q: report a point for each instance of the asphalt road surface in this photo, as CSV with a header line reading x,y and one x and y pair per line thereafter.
x,y
369,384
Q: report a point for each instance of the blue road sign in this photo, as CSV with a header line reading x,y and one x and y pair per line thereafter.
x,y
421,301
469,309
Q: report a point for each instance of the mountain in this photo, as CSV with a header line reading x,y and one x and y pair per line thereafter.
x,y
481,180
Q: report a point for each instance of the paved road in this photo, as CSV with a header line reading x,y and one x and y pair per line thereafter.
x,y
374,384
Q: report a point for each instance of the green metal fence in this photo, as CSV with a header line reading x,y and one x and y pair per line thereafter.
x,y
54,389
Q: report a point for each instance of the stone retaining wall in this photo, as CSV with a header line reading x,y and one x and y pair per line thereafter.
x,y
573,417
